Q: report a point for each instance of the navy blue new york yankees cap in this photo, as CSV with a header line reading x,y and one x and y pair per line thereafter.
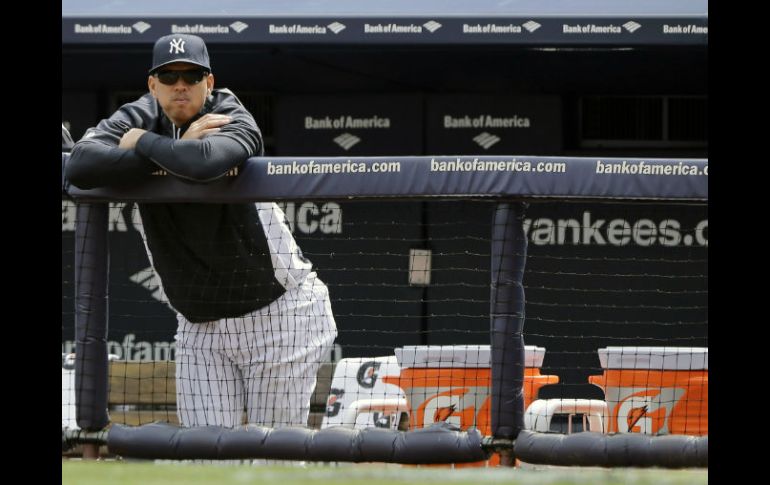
x,y
180,48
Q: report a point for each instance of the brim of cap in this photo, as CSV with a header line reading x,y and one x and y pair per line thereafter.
x,y
188,61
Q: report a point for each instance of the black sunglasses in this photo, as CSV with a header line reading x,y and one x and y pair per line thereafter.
x,y
190,77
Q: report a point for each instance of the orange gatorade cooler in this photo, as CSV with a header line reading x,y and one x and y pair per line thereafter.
x,y
655,390
451,383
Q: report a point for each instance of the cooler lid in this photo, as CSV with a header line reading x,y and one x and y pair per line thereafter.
x,y
460,356
655,358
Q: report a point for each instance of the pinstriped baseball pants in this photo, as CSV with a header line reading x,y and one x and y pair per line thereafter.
x,y
264,362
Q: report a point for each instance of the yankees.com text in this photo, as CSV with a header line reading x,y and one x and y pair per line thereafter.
x,y
587,230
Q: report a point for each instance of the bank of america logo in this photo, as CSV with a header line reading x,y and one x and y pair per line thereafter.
x,y
336,27
149,281
486,140
432,26
531,26
631,26
141,26
346,141
239,26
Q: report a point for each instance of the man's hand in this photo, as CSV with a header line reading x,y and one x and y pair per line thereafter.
x,y
129,140
206,125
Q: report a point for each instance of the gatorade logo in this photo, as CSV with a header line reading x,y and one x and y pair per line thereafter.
x,y
333,403
382,420
442,414
455,405
646,411
367,374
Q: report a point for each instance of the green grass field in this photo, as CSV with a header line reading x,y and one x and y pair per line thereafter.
x,y
147,473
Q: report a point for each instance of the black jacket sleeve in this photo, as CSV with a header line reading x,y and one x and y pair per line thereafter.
x,y
210,157
97,161
201,160
94,165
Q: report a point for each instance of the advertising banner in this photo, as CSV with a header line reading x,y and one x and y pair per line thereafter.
x,y
348,125
486,125
576,29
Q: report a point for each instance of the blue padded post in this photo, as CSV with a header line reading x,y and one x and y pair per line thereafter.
x,y
509,254
91,273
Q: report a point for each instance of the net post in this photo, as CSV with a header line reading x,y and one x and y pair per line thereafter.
x,y
508,253
90,451
91,276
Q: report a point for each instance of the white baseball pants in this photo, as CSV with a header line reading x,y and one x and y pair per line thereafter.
x,y
265,362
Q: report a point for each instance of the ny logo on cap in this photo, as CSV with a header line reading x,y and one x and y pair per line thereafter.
x,y
177,46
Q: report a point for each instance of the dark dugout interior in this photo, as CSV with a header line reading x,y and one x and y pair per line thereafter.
x,y
91,75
